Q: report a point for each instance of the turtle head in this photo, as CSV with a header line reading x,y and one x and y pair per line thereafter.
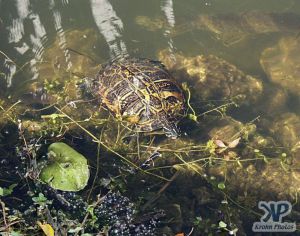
x,y
88,87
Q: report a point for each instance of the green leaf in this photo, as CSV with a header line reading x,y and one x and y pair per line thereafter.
x,y
222,224
185,86
221,185
41,199
53,116
193,117
76,230
7,191
14,233
67,169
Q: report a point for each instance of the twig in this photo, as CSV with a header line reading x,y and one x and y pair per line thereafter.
x,y
10,224
7,57
108,148
216,109
4,214
99,200
11,107
97,167
162,189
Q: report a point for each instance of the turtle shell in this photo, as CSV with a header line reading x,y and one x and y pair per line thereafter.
x,y
142,92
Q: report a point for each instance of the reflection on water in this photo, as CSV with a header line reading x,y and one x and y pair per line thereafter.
x,y
23,40
60,31
110,26
168,10
15,35
26,33
29,30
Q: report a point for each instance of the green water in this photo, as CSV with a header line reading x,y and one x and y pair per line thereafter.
x,y
29,30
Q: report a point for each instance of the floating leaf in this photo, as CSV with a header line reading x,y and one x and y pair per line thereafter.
x,y
67,169
47,229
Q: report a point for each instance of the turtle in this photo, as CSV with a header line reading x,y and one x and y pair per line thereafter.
x,y
143,93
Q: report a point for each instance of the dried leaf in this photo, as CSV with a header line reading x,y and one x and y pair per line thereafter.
x,y
47,229
226,157
220,143
234,143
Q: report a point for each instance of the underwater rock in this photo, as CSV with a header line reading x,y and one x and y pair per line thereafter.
x,y
227,28
151,24
226,129
264,170
268,22
254,182
67,169
211,77
281,64
274,101
230,28
78,57
227,134
62,68
286,130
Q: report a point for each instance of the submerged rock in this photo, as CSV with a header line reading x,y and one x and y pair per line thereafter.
x,y
230,28
77,57
286,130
281,64
253,182
262,169
151,24
274,101
228,129
62,67
213,78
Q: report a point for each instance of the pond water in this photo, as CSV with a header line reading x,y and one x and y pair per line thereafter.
x,y
240,60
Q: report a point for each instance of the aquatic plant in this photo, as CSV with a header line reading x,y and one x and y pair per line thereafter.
x,y
67,170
